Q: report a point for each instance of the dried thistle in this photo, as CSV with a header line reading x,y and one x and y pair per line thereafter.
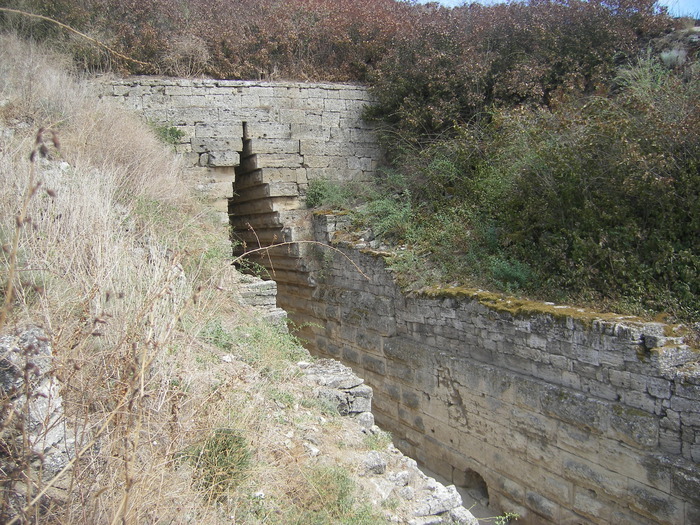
x,y
40,144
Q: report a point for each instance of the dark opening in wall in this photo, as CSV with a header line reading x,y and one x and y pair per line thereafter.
x,y
472,482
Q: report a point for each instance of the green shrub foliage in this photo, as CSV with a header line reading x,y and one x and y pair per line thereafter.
x,y
595,198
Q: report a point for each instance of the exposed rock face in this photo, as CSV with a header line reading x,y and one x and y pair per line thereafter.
x,y
31,406
262,295
386,475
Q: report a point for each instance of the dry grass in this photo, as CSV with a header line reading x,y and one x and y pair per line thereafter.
x,y
137,295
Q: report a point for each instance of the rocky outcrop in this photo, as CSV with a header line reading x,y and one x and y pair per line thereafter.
x,y
33,429
386,475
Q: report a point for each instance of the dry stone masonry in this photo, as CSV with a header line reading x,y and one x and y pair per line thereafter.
x,y
386,474
268,138
554,413
31,404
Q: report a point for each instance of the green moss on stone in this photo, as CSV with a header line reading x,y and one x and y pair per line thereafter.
x,y
518,307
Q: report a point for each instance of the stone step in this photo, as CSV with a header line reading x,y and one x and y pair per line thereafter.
x,y
247,164
257,220
252,207
282,277
264,191
275,263
247,179
263,236
265,205
287,251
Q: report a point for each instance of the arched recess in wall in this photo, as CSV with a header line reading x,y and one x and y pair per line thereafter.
x,y
473,484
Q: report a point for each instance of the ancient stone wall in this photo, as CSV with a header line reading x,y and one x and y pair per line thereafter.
x,y
305,131
555,413
270,139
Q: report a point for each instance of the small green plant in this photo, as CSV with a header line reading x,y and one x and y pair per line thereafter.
x,y
331,498
222,462
329,194
283,398
326,407
509,275
168,134
503,519
214,333
377,441
389,217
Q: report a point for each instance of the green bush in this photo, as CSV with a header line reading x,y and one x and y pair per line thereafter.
x,y
222,462
169,134
594,199
327,194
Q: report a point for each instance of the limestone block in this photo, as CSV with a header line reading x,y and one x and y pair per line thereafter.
x,y
366,420
223,158
316,161
328,119
308,131
121,90
443,499
213,131
293,116
582,472
462,516
251,100
634,427
189,116
334,397
374,364
640,400
29,355
655,504
359,163
334,105
686,483
181,90
231,112
542,506
266,146
374,463
310,91
314,104
573,408
279,161
204,144
314,147
588,503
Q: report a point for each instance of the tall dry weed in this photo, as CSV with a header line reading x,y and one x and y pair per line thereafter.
x,y
98,263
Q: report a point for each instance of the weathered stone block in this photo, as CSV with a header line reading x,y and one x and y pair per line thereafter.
x,y
574,408
655,504
223,158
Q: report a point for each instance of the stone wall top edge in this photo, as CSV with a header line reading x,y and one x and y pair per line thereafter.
x,y
608,323
173,81
665,338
